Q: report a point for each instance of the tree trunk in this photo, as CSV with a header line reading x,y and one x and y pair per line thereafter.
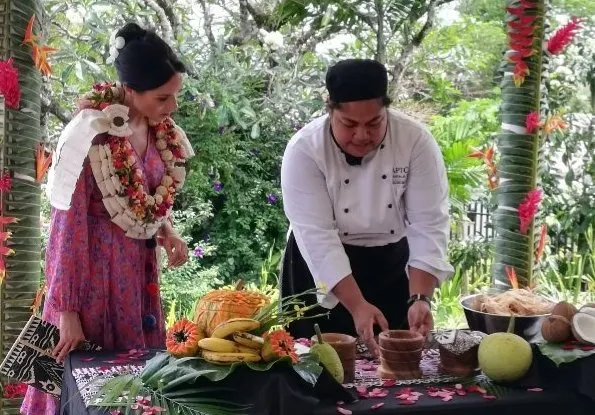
x,y
380,55
20,134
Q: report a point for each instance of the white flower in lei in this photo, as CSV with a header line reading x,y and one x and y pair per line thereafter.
x,y
118,118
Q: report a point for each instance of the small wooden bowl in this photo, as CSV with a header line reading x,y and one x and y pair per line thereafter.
x,y
387,373
459,365
343,344
400,340
406,356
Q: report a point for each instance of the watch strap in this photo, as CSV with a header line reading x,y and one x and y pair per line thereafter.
x,y
419,297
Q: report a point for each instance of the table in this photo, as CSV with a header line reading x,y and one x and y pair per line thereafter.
x,y
281,392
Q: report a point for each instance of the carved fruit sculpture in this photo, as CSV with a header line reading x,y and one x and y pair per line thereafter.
x,y
182,339
219,306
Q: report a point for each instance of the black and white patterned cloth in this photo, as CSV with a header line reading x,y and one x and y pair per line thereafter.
x,y
29,359
458,341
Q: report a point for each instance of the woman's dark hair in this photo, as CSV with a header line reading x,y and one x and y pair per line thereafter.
x,y
385,100
145,61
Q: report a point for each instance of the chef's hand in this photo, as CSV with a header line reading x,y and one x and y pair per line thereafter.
x,y
365,317
420,318
71,335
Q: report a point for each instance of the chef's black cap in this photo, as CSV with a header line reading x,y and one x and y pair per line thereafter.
x,y
356,80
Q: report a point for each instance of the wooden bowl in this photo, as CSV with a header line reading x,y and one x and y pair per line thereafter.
x,y
405,356
343,344
348,370
459,365
399,366
400,340
387,373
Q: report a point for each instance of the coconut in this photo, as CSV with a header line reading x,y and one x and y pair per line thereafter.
x,y
583,328
564,309
588,308
556,329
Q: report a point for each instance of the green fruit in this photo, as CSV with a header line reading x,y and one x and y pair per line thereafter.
x,y
328,357
505,357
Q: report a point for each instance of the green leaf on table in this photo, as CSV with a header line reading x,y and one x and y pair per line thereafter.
x,y
308,368
558,355
170,373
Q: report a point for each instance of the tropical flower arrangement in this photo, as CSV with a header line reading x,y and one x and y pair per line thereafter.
x,y
526,124
183,379
115,166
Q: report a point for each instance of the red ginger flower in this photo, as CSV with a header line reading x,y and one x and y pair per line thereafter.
x,y
563,36
9,84
5,182
532,122
528,208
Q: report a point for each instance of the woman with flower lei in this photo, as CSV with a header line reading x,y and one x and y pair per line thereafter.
x,y
117,168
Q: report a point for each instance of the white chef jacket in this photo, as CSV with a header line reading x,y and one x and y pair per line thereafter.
x,y
400,189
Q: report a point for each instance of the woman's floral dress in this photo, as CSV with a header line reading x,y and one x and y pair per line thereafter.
x,y
94,269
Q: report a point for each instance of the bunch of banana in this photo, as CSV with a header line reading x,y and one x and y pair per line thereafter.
x,y
230,342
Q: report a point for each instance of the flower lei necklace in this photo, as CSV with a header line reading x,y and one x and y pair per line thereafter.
x,y
118,176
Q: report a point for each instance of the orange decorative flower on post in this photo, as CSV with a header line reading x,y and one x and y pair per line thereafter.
x,y
41,53
43,161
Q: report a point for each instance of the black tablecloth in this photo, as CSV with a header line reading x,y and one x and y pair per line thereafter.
x,y
281,392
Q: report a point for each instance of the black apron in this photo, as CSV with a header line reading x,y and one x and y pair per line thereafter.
x,y
378,271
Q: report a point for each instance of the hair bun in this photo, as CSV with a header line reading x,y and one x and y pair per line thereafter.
x,y
131,31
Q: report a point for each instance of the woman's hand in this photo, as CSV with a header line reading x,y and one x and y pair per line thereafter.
x,y
71,335
420,318
175,247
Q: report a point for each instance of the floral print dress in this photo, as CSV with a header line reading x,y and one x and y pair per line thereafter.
x,y
108,278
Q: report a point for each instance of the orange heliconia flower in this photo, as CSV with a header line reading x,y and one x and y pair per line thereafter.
x,y
39,297
488,158
2,269
553,123
43,160
541,245
40,52
511,274
30,38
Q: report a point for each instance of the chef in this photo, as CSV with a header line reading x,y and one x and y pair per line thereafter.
x,y
366,195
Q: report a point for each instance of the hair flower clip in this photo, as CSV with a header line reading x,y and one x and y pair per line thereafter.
x,y
116,44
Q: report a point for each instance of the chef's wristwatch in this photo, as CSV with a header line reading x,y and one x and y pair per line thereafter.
x,y
419,297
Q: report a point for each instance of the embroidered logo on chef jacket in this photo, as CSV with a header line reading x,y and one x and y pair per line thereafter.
x,y
400,175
